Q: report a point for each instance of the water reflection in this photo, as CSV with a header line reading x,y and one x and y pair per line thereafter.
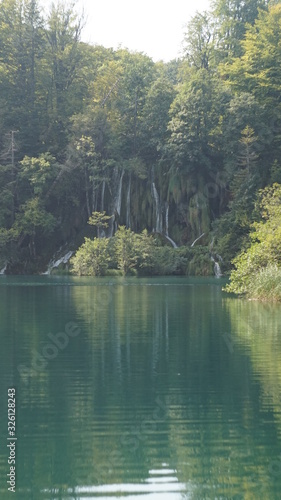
x,y
148,400
257,329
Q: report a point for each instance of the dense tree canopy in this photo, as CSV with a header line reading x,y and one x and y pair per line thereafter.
x,y
179,149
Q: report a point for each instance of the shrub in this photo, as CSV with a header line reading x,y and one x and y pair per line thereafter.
x,y
200,263
127,249
266,284
257,270
92,258
247,265
167,261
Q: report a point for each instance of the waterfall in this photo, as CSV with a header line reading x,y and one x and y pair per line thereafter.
x,y
171,241
167,218
128,203
56,263
167,226
94,198
119,194
158,226
219,257
199,237
117,199
87,193
3,271
100,231
158,216
217,268
199,208
167,327
102,196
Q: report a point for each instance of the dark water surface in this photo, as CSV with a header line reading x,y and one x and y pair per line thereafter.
x,y
157,389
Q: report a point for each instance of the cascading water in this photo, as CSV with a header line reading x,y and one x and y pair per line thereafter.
x,y
3,271
217,268
56,263
171,241
102,196
167,226
117,199
128,202
158,218
167,218
215,258
119,194
197,239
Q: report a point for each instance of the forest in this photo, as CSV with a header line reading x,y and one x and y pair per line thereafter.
x,y
185,153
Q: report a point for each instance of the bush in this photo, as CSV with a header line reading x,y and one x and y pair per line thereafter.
x,y
167,261
200,263
258,269
92,258
247,265
127,249
130,253
266,284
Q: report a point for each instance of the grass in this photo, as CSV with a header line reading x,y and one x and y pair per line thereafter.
x,y
266,284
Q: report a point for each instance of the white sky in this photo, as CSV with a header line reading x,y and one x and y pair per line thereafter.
x,y
155,27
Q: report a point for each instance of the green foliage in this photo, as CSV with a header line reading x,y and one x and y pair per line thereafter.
x,y
233,19
258,69
135,251
266,284
33,216
246,265
99,219
92,258
127,249
5,238
88,130
165,261
275,173
140,254
251,265
38,172
195,114
200,263
200,40
155,117
147,246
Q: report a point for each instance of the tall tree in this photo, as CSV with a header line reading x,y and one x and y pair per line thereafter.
x,y
21,42
258,73
63,33
258,70
199,41
195,148
232,18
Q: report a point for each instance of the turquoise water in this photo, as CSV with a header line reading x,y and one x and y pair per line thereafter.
x,y
161,388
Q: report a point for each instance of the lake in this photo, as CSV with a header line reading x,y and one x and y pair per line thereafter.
x,y
157,389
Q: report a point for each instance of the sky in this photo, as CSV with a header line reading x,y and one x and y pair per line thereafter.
x,y
154,27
